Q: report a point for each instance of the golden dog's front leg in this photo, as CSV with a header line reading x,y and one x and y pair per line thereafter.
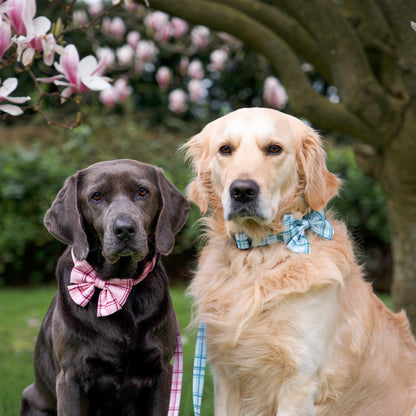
x,y
297,397
227,401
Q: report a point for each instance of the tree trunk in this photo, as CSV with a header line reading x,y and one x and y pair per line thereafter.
x,y
398,179
368,51
403,240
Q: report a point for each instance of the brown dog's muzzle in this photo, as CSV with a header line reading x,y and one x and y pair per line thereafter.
x,y
124,235
124,228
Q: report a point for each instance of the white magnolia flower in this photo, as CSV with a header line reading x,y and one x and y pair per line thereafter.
x,y
9,85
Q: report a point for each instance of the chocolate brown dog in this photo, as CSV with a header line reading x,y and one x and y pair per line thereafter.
x,y
116,217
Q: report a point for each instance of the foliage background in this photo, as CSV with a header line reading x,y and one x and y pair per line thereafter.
x,y
36,159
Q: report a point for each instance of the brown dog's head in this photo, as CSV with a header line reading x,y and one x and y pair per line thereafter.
x,y
254,165
119,205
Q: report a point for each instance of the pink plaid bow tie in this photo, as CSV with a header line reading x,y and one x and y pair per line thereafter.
x,y
114,292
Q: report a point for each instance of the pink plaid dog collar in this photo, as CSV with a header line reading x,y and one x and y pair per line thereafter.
x,y
114,292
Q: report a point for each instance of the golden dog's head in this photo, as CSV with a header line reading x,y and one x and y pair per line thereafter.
x,y
254,165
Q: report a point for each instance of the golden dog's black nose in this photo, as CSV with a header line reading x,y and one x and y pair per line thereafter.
x,y
244,190
124,228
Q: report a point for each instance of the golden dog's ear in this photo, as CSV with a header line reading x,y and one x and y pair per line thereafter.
x,y
64,220
197,150
320,184
196,194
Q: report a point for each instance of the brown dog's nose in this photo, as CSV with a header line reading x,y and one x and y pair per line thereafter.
x,y
124,228
244,190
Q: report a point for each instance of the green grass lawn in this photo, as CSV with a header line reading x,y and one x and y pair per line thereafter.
x,y
21,313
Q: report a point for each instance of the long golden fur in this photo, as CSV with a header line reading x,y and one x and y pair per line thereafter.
x,y
288,334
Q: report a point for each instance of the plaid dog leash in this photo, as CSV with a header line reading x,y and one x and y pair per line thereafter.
x,y
200,361
295,239
177,375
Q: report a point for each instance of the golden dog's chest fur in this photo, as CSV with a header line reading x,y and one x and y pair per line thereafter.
x,y
273,314
288,334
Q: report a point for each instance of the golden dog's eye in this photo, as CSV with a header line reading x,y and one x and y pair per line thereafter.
x,y
142,192
225,150
96,196
274,149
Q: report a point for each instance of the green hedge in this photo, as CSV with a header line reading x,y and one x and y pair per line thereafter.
x,y
34,165
361,203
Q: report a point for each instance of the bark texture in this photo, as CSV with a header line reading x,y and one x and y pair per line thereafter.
x,y
367,49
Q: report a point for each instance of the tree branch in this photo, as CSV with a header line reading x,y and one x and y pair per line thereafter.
x,y
287,28
303,98
398,15
359,89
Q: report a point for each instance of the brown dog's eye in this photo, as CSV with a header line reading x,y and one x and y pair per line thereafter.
x,y
274,149
142,192
225,150
96,196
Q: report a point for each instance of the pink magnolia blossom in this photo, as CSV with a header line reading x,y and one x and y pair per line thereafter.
x,y
197,90
108,97
274,93
218,59
79,75
156,20
95,8
5,37
106,55
196,70
106,25
31,33
116,94
125,55
19,13
413,25
146,50
118,28
163,77
178,101
133,38
9,85
37,42
159,23
200,36
164,33
179,27
128,3
80,17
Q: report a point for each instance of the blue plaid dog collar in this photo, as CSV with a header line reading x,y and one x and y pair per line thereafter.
x,y
294,234
295,239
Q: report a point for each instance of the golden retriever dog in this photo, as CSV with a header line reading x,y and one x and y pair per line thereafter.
x,y
289,333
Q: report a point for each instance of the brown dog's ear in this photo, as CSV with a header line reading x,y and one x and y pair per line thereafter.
x,y
174,211
63,219
320,184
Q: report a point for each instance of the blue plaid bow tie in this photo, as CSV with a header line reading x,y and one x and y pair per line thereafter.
x,y
294,234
